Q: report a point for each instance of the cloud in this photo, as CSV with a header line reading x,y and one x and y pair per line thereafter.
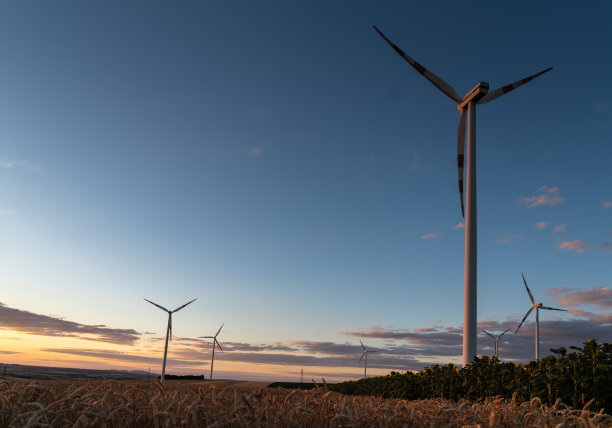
x,y
106,354
255,151
548,196
606,204
598,297
559,229
433,235
578,246
605,246
507,238
8,352
44,325
459,225
542,224
600,107
16,163
7,212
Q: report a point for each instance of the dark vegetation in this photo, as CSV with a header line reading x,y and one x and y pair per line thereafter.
x,y
183,377
296,385
575,378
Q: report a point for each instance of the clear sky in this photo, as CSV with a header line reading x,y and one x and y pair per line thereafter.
x,y
281,163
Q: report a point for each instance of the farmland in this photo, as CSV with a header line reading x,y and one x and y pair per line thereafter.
x,y
148,404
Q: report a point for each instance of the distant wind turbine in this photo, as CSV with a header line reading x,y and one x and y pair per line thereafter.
x,y
365,354
168,331
537,307
496,338
478,95
215,342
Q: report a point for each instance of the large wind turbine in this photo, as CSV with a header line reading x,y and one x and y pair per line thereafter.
x,y
168,331
215,342
365,354
496,338
537,307
479,95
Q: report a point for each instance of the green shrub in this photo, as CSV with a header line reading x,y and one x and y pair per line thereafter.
x,y
575,378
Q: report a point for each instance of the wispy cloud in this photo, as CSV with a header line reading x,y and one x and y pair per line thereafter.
x,y
433,235
606,204
559,229
459,225
44,325
507,238
601,297
547,196
542,224
256,151
17,163
577,245
605,246
600,107
7,212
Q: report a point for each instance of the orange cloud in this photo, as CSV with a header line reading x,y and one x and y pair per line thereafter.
x,y
577,245
548,196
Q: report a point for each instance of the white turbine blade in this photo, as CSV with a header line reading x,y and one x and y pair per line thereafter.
x,y
524,318
159,306
170,324
528,291
362,345
460,155
437,82
219,329
219,345
488,334
362,355
552,309
181,307
512,86
499,337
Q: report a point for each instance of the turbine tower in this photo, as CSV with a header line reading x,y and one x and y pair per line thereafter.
x,y
496,338
168,332
365,354
215,342
537,307
478,95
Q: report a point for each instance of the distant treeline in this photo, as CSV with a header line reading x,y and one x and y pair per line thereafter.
x,y
296,385
575,378
183,377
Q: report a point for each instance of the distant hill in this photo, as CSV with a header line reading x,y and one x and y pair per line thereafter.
x,y
51,373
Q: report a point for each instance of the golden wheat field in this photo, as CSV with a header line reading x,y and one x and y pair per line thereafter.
x,y
149,404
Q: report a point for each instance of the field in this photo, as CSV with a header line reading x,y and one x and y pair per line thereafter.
x,y
237,404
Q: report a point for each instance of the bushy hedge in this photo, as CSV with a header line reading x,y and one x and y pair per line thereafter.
x,y
575,378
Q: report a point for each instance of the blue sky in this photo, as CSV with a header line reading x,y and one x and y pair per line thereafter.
x,y
281,163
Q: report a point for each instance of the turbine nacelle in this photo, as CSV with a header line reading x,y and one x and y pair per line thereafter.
x,y
474,95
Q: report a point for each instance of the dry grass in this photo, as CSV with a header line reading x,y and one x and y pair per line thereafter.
x,y
149,404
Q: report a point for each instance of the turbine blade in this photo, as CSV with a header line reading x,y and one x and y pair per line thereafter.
x,y
437,82
503,333
524,318
181,307
362,355
552,309
512,86
159,306
219,329
219,345
362,344
488,333
530,295
170,325
460,155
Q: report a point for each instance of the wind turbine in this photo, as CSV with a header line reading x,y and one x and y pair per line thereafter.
x,y
168,331
365,353
496,338
215,342
537,307
478,95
